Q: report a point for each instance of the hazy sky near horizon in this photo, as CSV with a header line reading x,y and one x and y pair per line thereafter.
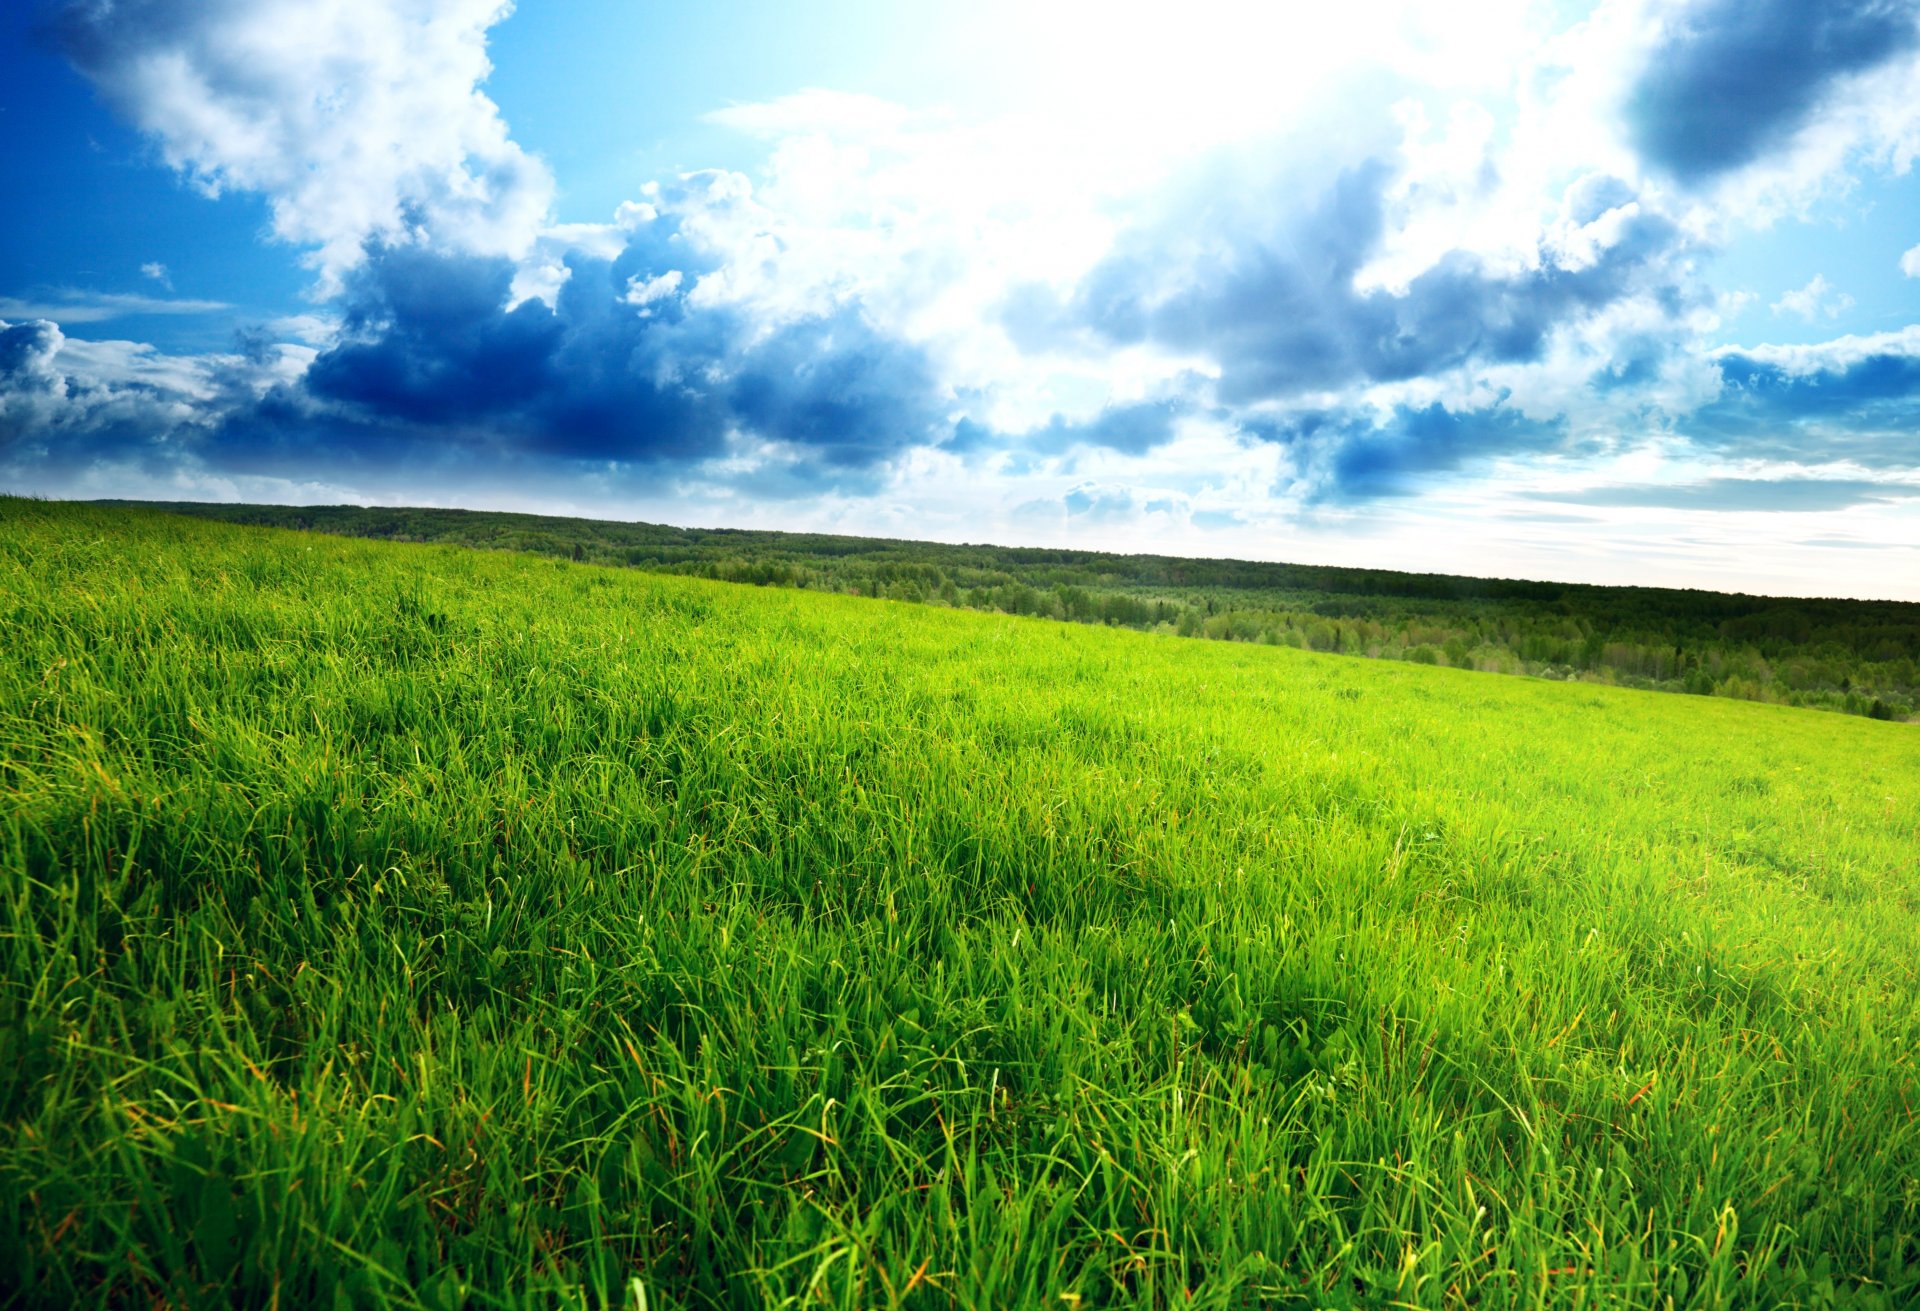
x,y
1626,291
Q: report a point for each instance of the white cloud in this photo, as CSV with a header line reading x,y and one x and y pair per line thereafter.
x,y
645,292
364,119
357,119
1817,300
31,385
1834,356
63,398
312,329
158,273
71,305
53,387
1910,263
1868,122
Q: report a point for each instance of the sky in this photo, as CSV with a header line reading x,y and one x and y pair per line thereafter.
x,y
1622,292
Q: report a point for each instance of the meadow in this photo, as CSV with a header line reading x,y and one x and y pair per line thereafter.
x,y
414,926
1858,657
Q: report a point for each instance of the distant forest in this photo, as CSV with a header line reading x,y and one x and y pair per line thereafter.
x,y
1859,657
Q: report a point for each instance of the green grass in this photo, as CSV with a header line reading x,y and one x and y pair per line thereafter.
x,y
1853,656
409,926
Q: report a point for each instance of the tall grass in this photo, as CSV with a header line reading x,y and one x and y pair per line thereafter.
x,y
404,926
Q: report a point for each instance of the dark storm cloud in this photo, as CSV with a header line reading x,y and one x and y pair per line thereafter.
x,y
1735,78
1790,494
1273,301
1865,409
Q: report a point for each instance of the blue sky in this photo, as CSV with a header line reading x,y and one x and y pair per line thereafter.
x,y
1625,291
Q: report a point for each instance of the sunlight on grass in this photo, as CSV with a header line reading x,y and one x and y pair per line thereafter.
x,y
406,926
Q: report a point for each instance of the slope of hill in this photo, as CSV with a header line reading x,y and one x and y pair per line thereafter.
x,y
1860,657
410,926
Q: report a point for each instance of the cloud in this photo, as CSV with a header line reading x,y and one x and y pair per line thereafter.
x,y
433,360
1855,398
66,404
1816,300
106,417
1095,503
30,385
432,346
1910,263
157,271
1266,291
683,341
1350,456
1800,495
71,305
1852,543
359,120
316,330
1731,80
1133,428
1336,314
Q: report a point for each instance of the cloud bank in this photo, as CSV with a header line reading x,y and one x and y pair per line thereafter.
x,y
1303,316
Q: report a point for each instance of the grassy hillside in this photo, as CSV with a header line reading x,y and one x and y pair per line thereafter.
x,y
1859,657
409,926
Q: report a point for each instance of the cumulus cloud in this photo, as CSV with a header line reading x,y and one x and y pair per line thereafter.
x,y
108,417
1266,290
30,385
358,119
1132,428
1337,315
1910,263
1272,296
66,404
434,360
1817,300
1354,455
1855,399
1730,80
757,336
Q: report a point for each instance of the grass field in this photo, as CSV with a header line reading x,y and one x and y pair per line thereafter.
x,y
410,926
1859,657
